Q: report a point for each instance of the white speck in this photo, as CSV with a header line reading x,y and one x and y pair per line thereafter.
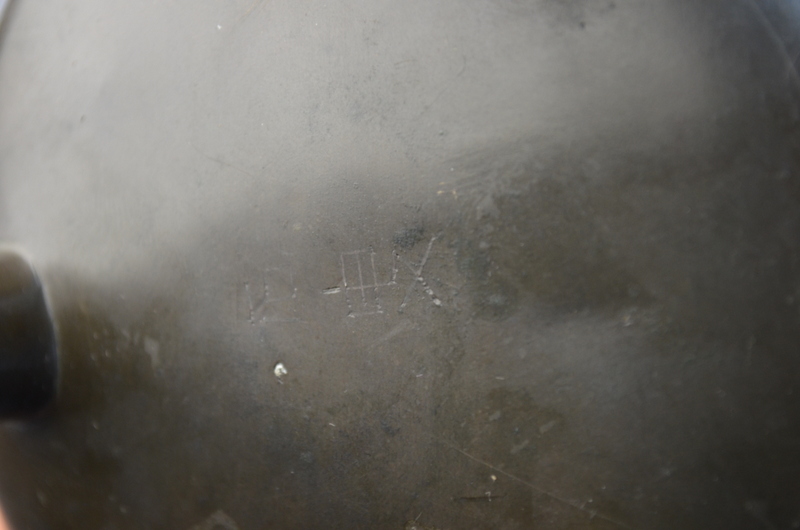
x,y
279,371
493,477
219,27
331,424
151,348
500,378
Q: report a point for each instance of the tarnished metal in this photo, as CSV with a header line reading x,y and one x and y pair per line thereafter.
x,y
27,341
369,264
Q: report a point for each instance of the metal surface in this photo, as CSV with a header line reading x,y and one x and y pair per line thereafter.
x,y
522,264
27,342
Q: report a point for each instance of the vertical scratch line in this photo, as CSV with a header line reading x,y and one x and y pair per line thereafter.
x,y
360,279
393,281
344,283
374,273
375,281
249,302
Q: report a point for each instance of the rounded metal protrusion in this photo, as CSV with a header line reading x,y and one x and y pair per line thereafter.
x,y
28,364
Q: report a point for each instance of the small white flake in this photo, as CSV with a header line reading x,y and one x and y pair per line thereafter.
x,y
279,371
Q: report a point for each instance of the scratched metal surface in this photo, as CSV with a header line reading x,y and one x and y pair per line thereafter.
x,y
525,264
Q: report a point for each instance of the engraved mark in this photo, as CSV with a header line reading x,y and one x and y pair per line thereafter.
x,y
360,281
219,520
362,298
418,278
270,299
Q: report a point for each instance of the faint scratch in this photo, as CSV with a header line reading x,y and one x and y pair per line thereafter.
x,y
791,69
448,85
222,162
219,520
249,11
402,327
592,513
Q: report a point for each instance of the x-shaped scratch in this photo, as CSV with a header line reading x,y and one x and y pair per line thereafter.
x,y
417,272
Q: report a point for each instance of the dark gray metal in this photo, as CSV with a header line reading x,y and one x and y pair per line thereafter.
x,y
27,343
372,264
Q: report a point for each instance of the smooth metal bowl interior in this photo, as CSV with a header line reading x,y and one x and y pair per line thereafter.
x,y
523,264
